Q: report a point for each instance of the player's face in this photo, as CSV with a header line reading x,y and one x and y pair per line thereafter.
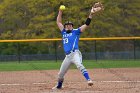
x,y
68,27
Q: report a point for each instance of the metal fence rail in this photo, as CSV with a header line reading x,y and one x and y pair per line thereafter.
x,y
91,48
86,56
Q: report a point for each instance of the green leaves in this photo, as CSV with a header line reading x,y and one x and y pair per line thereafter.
x,y
22,19
40,15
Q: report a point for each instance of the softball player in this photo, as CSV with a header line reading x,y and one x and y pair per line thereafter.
x,y
70,44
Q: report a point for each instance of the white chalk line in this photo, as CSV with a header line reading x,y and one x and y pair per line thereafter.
x,y
18,84
119,81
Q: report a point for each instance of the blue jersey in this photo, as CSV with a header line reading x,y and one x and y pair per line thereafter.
x,y
70,40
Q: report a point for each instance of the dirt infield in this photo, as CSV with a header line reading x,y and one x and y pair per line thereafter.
x,y
124,80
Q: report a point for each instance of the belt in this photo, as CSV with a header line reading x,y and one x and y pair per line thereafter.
x,y
67,53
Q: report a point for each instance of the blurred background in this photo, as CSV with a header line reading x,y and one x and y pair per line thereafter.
x,y
36,19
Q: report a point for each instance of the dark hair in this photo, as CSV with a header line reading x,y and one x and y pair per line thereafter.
x,y
68,23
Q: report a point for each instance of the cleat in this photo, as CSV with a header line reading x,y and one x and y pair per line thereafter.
x,y
90,83
55,87
59,84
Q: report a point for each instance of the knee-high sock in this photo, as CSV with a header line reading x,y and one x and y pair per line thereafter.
x,y
59,83
86,75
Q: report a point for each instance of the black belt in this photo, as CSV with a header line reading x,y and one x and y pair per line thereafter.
x,y
70,52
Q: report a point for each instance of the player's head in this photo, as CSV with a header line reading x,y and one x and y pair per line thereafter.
x,y
68,26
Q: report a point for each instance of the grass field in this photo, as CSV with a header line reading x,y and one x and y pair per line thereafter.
x,y
49,65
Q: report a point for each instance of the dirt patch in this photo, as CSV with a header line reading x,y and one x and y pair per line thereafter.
x,y
118,80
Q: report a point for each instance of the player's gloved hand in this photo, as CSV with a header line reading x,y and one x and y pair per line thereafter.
x,y
97,7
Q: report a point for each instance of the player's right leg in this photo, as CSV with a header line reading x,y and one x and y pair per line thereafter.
x,y
63,69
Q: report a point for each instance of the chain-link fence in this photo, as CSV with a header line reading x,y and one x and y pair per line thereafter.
x,y
91,50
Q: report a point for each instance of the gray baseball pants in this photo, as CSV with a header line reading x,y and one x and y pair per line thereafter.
x,y
75,58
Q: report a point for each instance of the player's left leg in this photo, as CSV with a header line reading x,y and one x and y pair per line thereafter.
x,y
77,59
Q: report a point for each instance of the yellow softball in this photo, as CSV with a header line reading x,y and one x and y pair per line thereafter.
x,y
62,7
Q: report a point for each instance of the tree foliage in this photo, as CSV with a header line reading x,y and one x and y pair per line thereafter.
x,y
22,19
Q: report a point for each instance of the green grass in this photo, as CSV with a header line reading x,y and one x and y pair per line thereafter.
x,y
49,65
112,64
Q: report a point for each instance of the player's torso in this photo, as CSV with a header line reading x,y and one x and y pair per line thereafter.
x,y
70,40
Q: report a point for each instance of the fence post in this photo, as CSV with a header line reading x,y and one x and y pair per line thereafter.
x,y
55,45
95,50
134,46
18,52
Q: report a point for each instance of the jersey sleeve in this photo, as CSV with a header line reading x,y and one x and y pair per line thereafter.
x,y
78,31
62,31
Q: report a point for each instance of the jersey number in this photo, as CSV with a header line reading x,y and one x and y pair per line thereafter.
x,y
65,40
